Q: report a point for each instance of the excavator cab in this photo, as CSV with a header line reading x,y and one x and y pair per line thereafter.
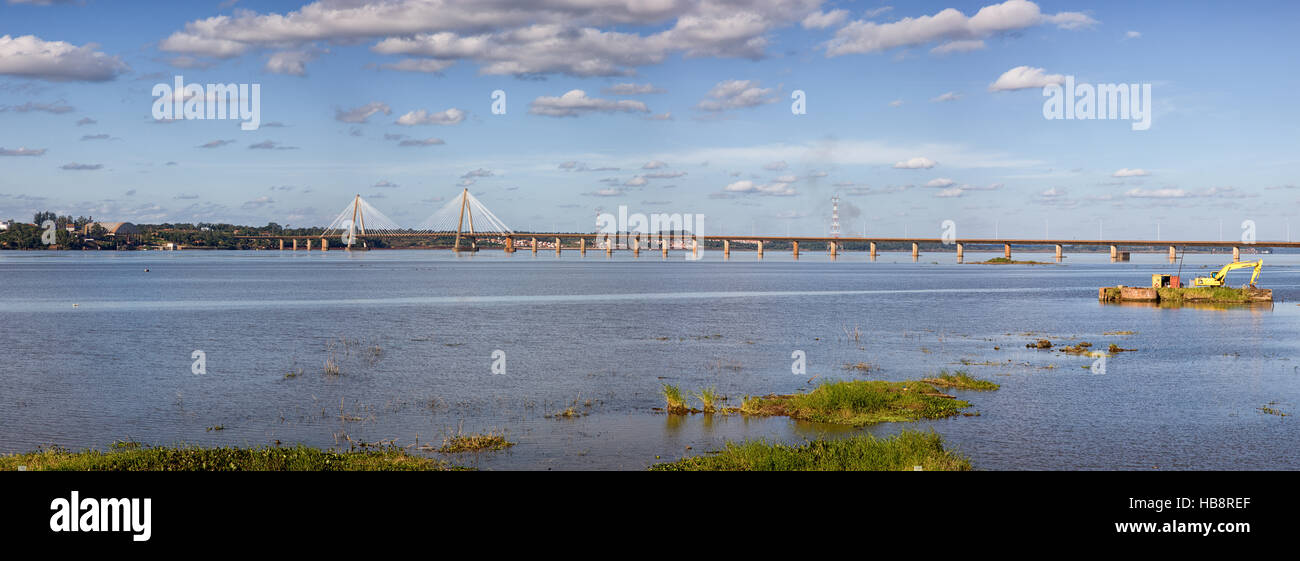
x,y
1219,278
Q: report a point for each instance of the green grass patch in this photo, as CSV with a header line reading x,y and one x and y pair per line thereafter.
x,y
960,380
709,398
474,443
859,402
675,399
135,457
1005,261
864,452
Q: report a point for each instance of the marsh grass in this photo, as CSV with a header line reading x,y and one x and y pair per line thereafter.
x,y
859,402
675,400
864,452
474,443
960,380
708,399
136,457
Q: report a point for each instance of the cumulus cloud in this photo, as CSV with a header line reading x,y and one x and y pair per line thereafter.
x,y
576,102
1125,172
363,113
736,94
863,36
293,62
451,116
1024,77
940,182
916,163
745,186
29,56
654,164
510,38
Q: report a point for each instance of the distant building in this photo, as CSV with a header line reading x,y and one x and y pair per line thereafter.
x,y
114,228
5,224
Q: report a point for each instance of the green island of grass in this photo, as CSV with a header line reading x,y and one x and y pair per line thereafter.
x,y
860,402
1006,261
474,443
132,456
901,452
960,380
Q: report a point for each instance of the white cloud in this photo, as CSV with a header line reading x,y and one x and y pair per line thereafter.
x,y
775,166
950,192
822,20
1024,77
451,116
29,56
576,102
862,36
654,164
916,163
293,63
746,186
637,181
363,113
1132,35
505,37
1125,172
949,96
1167,193
940,182
736,94
22,151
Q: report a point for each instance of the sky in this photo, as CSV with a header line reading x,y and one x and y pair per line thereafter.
x,y
912,113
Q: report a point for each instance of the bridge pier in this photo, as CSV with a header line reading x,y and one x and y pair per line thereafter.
x,y
960,251
1173,254
916,251
609,245
324,244
1059,251
726,249
695,247
557,246
873,251
1114,253
760,249
1006,250
308,244
636,245
582,246
281,245
534,244
510,244
1236,254
295,244
796,249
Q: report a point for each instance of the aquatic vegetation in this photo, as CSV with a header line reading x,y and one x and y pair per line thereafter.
x,y
904,451
861,367
1271,411
960,380
1006,261
858,403
1040,344
300,458
1120,333
708,398
474,443
1115,349
675,400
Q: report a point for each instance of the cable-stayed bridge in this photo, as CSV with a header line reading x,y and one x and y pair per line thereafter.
x,y
469,224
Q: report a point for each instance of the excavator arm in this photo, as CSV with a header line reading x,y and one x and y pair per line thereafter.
x,y
1222,275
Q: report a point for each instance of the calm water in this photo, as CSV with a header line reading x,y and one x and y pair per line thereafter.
x,y
95,349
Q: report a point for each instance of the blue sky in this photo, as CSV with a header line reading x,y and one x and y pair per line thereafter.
x,y
903,121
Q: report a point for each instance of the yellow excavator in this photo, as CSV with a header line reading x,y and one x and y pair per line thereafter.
x,y
1219,278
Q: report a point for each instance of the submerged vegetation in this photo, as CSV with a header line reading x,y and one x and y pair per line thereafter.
x,y
904,451
132,456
